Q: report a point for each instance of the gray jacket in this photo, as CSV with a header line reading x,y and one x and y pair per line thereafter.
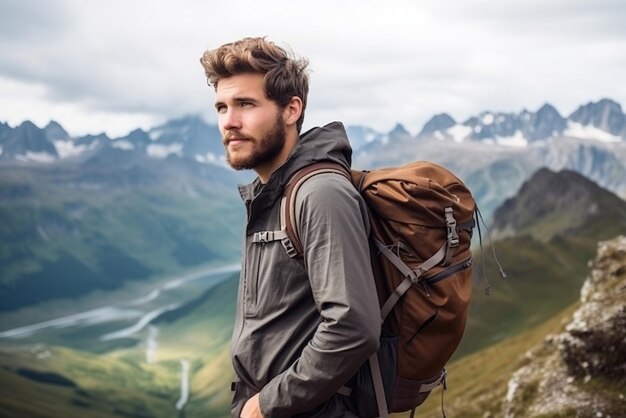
x,y
304,326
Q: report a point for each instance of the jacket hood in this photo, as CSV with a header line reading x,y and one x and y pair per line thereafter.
x,y
327,143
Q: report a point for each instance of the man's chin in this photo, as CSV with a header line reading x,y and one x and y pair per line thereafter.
x,y
240,163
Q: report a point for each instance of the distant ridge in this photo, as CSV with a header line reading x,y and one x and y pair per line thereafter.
x,y
190,137
551,204
603,120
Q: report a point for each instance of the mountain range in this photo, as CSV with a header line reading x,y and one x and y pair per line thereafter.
x,y
494,152
192,138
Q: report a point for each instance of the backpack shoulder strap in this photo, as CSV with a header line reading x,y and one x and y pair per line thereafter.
x,y
288,221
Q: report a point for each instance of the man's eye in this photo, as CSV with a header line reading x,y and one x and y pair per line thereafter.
x,y
246,104
220,109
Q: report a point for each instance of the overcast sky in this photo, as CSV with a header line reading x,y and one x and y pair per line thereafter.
x,y
115,65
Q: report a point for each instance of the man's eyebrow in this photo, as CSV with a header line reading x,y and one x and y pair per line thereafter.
x,y
245,99
238,100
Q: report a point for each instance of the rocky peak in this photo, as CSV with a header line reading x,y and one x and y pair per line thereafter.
x,y
55,132
605,114
28,138
439,122
399,131
582,371
490,125
362,136
560,203
546,123
138,137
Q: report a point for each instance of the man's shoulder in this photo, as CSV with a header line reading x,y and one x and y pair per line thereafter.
x,y
326,187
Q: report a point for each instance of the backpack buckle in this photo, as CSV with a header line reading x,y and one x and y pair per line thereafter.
x,y
453,236
289,248
263,237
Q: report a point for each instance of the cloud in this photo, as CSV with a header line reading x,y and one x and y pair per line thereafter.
x,y
371,63
34,21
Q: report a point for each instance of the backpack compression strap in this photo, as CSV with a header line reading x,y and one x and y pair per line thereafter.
x,y
412,276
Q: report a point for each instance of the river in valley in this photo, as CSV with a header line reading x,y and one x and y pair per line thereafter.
x,y
132,315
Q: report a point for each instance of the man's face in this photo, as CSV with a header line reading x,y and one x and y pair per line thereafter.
x,y
251,125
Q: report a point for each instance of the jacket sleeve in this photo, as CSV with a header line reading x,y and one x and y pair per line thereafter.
x,y
332,227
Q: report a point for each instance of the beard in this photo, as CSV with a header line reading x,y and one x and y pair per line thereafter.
x,y
265,149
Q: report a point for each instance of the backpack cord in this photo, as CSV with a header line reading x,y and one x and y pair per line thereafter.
x,y
443,390
493,248
482,257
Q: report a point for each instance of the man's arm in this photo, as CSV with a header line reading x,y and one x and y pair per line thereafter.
x,y
331,218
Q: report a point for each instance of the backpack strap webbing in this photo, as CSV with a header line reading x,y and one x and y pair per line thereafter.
x,y
288,203
411,275
379,388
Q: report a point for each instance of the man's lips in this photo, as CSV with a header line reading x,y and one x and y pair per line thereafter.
x,y
234,139
235,143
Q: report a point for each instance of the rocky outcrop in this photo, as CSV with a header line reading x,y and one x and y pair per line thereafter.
x,y
582,371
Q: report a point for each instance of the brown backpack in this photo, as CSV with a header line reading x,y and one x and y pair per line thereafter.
x,y
422,218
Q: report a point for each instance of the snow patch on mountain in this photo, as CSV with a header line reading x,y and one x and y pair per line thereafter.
x,y
36,157
459,132
163,151
578,130
487,118
123,145
155,134
516,140
208,158
67,149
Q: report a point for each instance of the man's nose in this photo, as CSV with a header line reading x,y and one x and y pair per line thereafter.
x,y
231,120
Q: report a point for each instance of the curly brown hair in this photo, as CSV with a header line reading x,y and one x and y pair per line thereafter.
x,y
285,74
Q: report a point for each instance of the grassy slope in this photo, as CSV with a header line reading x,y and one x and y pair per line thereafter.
x,y
102,386
542,279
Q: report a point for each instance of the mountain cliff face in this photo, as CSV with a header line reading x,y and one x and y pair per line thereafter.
x,y
551,204
582,371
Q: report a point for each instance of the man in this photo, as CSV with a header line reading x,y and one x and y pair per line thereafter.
x,y
304,325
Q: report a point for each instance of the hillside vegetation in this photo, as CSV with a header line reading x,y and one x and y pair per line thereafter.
x,y
97,232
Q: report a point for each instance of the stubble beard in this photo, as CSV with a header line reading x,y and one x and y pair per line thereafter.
x,y
266,148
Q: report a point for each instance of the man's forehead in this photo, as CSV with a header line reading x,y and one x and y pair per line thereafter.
x,y
248,84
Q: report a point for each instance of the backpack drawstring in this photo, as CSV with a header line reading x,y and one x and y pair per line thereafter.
x,y
479,219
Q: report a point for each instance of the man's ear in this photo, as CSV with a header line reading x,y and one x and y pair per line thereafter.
x,y
292,111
